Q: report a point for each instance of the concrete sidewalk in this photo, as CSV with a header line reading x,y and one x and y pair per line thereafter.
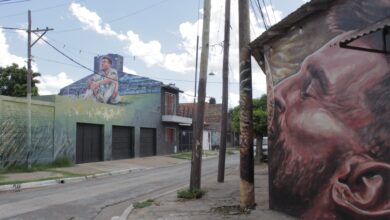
x,y
220,202
82,171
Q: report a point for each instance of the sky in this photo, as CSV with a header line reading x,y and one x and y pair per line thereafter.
x,y
157,39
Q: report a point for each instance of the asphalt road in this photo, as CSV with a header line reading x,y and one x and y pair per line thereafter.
x,y
89,199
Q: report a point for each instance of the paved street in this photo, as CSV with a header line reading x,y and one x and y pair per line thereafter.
x,y
95,198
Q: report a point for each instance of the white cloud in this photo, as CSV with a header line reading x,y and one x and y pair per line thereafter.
x,y
149,52
91,20
128,70
234,99
51,84
187,96
6,58
23,36
184,62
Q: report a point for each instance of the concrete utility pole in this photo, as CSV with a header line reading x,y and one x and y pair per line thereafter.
x,y
225,88
247,193
29,150
29,79
196,162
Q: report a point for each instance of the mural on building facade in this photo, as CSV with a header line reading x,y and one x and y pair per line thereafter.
x,y
330,121
103,86
54,124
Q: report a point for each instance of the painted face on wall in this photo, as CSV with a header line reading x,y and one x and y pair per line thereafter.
x,y
323,136
105,65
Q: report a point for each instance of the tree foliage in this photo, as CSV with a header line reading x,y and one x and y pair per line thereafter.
x,y
259,117
13,81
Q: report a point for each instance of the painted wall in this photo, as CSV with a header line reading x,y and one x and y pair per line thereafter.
x,y
13,131
54,124
329,115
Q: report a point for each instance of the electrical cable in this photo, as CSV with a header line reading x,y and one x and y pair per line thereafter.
x,y
266,12
73,60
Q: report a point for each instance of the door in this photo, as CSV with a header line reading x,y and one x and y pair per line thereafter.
x,y
147,142
89,144
122,142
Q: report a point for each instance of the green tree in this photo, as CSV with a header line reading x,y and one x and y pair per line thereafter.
x,y
259,121
13,81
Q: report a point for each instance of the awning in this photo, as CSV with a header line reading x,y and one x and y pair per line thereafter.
x,y
382,25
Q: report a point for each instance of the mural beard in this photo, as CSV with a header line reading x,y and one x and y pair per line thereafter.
x,y
296,183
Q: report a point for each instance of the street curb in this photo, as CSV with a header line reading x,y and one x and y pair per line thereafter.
x,y
37,184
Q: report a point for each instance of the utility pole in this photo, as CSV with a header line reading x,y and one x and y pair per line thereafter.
x,y
225,88
196,69
196,162
247,193
29,79
29,150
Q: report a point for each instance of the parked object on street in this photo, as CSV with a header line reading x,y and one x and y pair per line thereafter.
x,y
264,150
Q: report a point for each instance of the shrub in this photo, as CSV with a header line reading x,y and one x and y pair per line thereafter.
x,y
191,194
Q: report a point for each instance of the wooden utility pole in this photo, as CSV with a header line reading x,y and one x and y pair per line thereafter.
x,y
29,79
225,88
247,193
196,162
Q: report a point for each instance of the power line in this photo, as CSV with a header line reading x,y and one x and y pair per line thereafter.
x,y
55,61
118,18
36,10
12,28
74,61
266,12
10,2
272,7
261,13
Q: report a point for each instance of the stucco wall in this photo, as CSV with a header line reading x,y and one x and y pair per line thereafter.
x,y
54,125
13,130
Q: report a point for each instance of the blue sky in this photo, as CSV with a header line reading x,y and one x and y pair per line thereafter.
x,y
156,37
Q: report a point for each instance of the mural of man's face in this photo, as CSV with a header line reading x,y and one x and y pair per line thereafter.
x,y
105,64
320,113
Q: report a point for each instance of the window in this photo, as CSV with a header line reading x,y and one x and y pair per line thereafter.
x,y
170,134
170,103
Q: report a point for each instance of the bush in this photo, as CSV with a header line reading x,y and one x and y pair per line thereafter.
x,y
191,194
144,204
62,162
22,168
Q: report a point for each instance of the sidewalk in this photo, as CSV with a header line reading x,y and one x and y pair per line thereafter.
x,y
12,181
79,172
220,202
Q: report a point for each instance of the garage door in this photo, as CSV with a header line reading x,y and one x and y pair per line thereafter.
x,y
89,146
122,142
147,142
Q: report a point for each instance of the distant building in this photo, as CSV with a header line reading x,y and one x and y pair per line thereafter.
x,y
212,127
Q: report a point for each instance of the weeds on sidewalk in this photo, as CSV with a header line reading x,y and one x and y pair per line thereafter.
x,y
22,168
144,204
230,210
230,152
183,156
191,194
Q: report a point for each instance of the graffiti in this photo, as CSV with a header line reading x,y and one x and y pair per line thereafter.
x,y
330,128
103,87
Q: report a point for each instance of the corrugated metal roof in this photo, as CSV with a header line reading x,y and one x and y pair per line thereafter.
x,y
382,24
